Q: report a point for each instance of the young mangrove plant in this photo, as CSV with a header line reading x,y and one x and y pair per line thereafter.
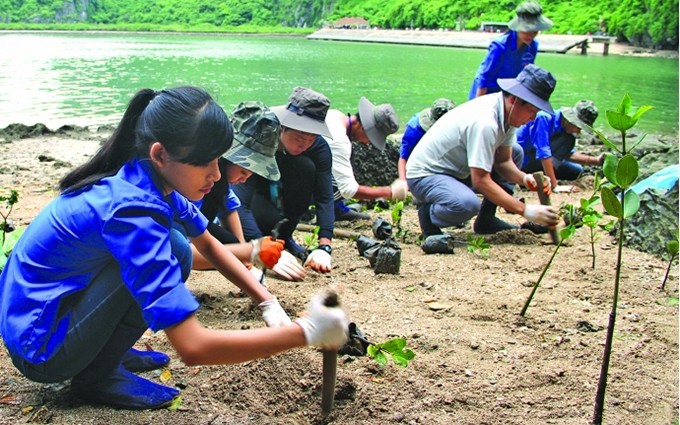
x,y
565,234
672,249
477,244
10,233
394,348
621,171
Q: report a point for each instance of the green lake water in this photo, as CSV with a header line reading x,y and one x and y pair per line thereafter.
x,y
87,79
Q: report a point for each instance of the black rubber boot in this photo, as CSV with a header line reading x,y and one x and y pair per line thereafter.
x,y
487,223
426,225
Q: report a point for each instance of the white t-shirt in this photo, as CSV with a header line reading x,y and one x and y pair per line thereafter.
x,y
341,149
465,137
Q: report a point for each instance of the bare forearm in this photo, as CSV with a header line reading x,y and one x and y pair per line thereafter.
x,y
367,192
197,345
401,168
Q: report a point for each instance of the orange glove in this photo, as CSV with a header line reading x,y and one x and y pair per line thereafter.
x,y
266,251
530,183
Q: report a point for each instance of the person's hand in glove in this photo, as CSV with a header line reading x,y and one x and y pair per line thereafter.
x,y
320,259
530,183
266,252
288,267
273,314
541,214
399,189
324,327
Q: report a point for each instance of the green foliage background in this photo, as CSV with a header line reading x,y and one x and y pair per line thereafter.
x,y
652,23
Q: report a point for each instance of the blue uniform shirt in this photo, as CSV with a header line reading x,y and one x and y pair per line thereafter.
x,y
123,218
537,133
503,60
412,135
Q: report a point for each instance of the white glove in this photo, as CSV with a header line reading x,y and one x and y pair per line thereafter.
x,y
273,314
324,327
288,267
319,260
399,189
541,214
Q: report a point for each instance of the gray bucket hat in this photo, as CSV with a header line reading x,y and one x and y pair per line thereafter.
x,y
429,116
529,18
534,85
378,121
582,115
256,137
306,111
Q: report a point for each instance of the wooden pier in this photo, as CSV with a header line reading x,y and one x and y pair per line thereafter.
x,y
465,39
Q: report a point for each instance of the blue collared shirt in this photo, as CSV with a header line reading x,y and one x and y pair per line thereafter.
x,y
123,218
503,60
537,133
412,135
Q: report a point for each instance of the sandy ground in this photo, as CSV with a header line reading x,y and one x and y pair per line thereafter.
x,y
477,361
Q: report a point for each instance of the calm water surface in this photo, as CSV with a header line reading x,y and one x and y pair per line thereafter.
x,y
87,79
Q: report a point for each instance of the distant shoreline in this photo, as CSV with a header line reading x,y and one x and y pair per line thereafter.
x,y
556,43
473,39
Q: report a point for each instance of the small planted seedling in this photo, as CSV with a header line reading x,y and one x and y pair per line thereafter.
x,y
10,233
621,170
672,248
394,349
312,239
397,213
477,244
565,234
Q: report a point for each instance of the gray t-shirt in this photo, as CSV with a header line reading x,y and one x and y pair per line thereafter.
x,y
465,137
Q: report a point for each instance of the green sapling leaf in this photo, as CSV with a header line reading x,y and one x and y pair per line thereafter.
x,y
625,105
672,247
611,163
641,111
605,140
626,171
631,203
619,121
567,232
611,203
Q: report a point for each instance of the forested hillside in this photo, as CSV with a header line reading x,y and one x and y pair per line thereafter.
x,y
652,23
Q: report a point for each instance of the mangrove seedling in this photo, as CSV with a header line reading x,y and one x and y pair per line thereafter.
x,y
394,349
621,170
312,239
10,233
565,234
397,212
477,244
672,248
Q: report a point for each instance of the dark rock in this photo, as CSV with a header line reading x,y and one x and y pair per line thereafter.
x,y
375,168
655,223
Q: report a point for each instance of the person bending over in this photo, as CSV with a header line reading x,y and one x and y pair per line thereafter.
x,y
103,262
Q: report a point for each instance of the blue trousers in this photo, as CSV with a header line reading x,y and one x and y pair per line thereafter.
x,y
561,147
105,323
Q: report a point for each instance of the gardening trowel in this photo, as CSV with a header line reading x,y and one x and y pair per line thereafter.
x,y
330,365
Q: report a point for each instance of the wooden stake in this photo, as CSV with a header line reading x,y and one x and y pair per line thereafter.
x,y
545,200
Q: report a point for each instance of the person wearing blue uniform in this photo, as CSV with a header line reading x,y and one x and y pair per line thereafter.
x,y
416,128
103,262
512,51
548,142
304,160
